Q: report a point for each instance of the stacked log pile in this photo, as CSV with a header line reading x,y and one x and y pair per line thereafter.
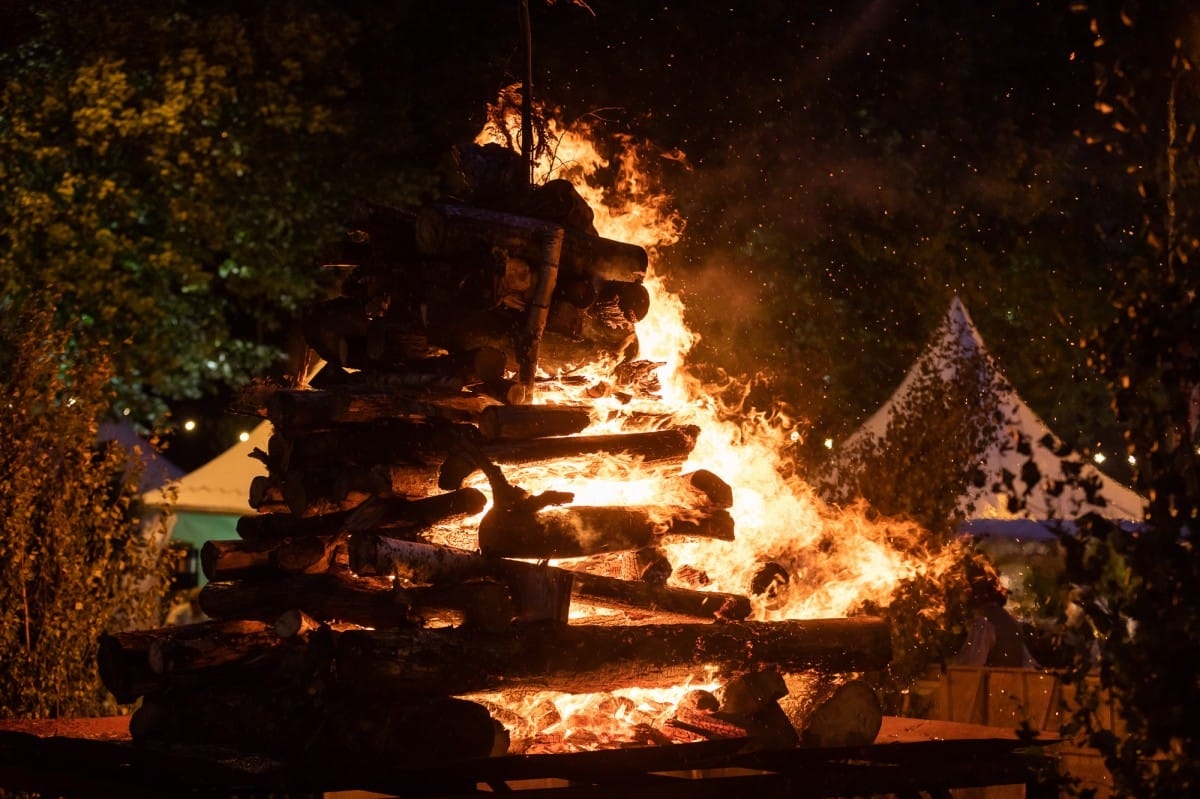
x,y
339,624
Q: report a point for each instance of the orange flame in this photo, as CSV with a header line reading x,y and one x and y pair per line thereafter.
x,y
834,559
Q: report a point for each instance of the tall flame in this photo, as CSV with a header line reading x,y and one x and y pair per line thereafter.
x,y
834,559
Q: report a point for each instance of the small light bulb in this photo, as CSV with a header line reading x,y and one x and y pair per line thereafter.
x,y
243,436
189,425
829,443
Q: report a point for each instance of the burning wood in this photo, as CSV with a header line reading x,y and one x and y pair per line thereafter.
x,y
346,619
589,658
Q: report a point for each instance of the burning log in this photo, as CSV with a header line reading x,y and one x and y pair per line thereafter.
x,y
239,560
654,446
587,658
532,421
330,490
835,712
613,592
377,512
580,530
307,409
456,231
538,592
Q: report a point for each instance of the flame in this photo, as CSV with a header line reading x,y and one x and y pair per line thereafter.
x,y
833,559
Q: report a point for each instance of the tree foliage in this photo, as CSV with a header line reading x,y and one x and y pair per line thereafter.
x,y
1137,590
170,175
74,559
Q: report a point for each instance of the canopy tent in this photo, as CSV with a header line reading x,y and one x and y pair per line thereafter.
x,y
1026,472
205,504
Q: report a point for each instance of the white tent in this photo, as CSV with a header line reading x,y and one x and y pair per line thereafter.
x,y
1021,439
205,504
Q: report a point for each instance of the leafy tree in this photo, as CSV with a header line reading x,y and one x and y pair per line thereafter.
x,y
917,468
74,559
171,175
1138,590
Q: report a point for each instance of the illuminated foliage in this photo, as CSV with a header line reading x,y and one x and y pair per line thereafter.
x,y
74,559
168,175
1138,590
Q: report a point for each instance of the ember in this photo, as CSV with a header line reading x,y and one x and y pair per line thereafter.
x,y
502,501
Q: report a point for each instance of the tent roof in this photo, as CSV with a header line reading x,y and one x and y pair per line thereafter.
x,y
958,335
223,484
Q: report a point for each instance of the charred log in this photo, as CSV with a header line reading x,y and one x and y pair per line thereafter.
x,y
580,530
325,597
537,592
532,421
392,513
584,658
655,446
286,722
611,592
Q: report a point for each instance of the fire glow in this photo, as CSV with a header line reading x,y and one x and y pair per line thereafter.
x,y
833,559
836,559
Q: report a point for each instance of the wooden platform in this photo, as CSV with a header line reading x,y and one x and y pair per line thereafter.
x,y
97,758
